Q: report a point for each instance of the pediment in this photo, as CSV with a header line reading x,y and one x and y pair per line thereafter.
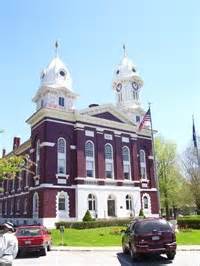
x,y
108,112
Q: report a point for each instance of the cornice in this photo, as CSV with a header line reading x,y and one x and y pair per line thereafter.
x,y
85,120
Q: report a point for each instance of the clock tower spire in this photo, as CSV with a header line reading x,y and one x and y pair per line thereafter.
x,y
127,84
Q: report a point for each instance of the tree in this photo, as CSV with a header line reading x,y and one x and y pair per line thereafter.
x,y
192,169
87,217
172,183
11,165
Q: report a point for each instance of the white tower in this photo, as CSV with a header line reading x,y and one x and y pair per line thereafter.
x,y
127,84
55,89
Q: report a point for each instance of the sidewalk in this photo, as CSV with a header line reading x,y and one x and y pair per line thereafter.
x,y
68,248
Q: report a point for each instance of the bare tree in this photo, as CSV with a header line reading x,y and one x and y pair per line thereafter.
x,y
192,170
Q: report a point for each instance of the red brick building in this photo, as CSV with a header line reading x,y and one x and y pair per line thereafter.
x,y
94,159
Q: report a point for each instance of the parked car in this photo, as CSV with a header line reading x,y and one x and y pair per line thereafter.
x,y
33,238
149,236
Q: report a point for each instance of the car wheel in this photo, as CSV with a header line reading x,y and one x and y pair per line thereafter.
x,y
125,249
134,255
171,255
49,247
43,252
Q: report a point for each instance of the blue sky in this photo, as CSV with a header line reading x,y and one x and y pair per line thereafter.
x,y
162,38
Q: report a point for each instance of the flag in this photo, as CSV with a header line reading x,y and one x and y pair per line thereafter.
x,y
146,118
194,135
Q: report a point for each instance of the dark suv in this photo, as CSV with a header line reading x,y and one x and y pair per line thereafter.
x,y
149,236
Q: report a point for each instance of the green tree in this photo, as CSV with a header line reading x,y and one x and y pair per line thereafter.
x,y
87,217
173,186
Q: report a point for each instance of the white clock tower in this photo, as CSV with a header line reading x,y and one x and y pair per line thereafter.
x,y
127,84
55,89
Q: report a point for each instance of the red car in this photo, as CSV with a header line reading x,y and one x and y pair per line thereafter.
x,y
33,238
149,236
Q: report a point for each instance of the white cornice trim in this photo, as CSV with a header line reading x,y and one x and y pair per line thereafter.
x,y
47,144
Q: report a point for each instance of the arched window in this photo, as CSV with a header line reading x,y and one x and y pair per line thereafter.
x,y
128,202
90,159
1,207
18,206
61,203
37,170
91,202
111,206
61,154
143,170
145,202
12,206
25,205
5,207
35,205
126,163
109,169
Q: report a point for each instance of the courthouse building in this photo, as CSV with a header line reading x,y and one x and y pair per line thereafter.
x,y
94,159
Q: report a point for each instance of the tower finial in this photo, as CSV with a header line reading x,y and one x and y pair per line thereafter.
x,y
56,48
124,48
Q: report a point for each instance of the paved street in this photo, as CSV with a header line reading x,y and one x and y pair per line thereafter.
x,y
105,258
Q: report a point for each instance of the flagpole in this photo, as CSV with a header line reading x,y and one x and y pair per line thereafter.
x,y
154,160
195,142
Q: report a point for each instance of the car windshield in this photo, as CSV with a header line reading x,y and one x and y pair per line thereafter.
x,y
28,232
149,226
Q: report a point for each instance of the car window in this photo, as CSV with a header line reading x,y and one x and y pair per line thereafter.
x,y
28,232
149,226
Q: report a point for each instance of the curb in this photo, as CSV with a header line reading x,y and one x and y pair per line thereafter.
x,y
119,249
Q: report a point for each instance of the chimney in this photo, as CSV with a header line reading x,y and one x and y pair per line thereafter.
x,y
16,142
3,153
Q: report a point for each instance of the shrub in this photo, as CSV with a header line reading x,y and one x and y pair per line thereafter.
x,y
141,214
192,222
87,217
94,224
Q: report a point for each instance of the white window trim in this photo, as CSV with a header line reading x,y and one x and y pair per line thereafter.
x,y
110,161
127,162
35,213
130,200
143,165
149,202
65,213
37,159
94,202
90,159
61,156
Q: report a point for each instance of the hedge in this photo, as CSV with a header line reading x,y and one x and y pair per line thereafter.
x,y
192,222
94,224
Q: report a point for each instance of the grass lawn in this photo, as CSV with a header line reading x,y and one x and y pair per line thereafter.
x,y
110,236
188,237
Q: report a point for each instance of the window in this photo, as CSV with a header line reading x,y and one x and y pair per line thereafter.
x,y
109,170
35,205
128,202
61,203
19,182
126,163
5,207
91,202
1,209
61,153
137,118
13,184
143,164
90,161
145,202
37,158
61,101
12,206
27,177
25,205
18,206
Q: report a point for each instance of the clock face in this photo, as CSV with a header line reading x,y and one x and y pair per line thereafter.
x,y
119,86
135,85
